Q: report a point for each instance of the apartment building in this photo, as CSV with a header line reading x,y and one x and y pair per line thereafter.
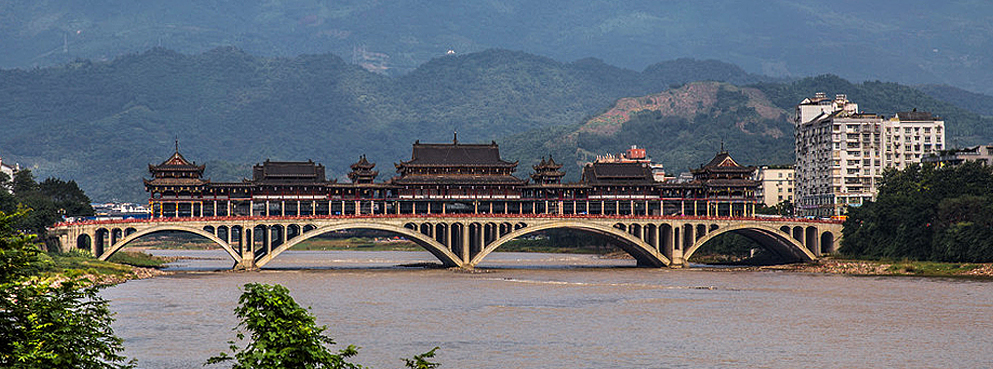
x,y
841,152
775,185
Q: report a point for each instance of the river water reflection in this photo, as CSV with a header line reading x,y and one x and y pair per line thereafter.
x,y
570,311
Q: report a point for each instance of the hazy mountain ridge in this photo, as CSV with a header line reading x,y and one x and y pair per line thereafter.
x,y
912,42
101,123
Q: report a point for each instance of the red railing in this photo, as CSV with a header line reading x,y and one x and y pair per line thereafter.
x,y
441,216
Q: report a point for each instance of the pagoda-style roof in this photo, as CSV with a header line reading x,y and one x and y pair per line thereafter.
x,y
547,172
722,163
362,171
615,173
176,163
176,172
363,163
456,154
288,172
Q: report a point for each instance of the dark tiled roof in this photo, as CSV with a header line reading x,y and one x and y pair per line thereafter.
x,y
288,170
363,163
458,180
617,173
176,163
457,154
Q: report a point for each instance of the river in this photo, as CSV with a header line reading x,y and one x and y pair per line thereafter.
x,y
569,311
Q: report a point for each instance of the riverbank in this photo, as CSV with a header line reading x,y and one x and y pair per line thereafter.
x,y
123,266
889,268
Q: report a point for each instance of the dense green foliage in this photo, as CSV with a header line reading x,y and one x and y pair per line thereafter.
x,y
48,201
971,101
926,213
48,323
284,335
964,127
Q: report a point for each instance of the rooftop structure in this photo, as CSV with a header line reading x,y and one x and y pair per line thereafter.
x,y
980,153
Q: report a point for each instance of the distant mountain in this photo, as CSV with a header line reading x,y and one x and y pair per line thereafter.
x,y
85,119
101,123
971,101
910,41
682,128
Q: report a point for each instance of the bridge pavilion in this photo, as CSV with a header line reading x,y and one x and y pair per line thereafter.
x,y
451,178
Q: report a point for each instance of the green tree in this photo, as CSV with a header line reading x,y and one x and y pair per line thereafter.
x,y
46,323
926,213
283,334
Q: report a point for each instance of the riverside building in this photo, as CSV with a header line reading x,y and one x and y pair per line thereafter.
x,y
841,152
775,184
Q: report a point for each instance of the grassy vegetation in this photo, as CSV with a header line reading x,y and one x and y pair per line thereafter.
x,y
930,268
79,263
139,259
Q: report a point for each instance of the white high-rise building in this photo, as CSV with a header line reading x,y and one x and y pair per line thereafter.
x,y
841,152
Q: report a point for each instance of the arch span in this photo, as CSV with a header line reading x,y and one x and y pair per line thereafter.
x,y
644,253
169,228
775,240
428,243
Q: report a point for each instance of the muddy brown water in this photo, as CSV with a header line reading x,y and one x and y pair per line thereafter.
x,y
569,311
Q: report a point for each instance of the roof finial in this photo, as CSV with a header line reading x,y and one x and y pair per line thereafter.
x,y
722,145
455,137
177,144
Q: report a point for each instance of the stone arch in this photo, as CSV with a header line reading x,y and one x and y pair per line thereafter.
x,y
635,230
798,234
84,242
505,228
772,239
210,229
701,231
810,240
644,253
129,231
116,234
827,243
100,238
292,231
441,233
651,235
434,247
169,228
426,229
277,232
308,228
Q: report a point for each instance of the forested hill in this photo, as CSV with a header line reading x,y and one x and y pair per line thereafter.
x,y
101,123
684,127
